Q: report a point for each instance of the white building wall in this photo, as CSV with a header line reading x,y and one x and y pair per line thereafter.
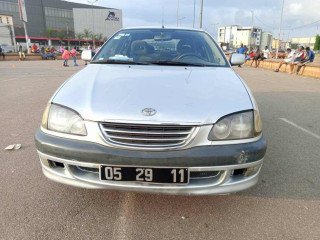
x,y
242,38
235,35
221,34
305,41
106,21
5,37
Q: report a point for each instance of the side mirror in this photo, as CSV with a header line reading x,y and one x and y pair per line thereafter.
x,y
86,55
237,59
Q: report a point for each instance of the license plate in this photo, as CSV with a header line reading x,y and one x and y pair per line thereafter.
x,y
144,174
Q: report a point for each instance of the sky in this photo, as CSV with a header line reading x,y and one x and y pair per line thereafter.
x,y
301,18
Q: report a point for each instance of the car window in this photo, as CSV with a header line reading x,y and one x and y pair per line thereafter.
x,y
162,45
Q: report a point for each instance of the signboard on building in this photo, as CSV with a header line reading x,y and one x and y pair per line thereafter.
x,y
112,16
22,10
98,21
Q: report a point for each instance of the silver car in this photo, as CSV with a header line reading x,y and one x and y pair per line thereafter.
x,y
158,110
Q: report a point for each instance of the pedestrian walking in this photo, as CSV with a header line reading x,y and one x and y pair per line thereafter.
x,y
65,57
73,54
21,52
241,50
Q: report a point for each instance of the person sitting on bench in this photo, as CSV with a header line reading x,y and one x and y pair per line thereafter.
x,y
309,59
287,60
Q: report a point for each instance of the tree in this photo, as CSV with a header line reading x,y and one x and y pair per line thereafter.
x,y
49,33
79,36
87,34
317,43
98,37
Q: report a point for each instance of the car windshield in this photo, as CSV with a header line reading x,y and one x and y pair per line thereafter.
x,y
162,47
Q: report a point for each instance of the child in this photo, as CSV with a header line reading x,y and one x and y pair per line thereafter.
x,y
65,57
73,54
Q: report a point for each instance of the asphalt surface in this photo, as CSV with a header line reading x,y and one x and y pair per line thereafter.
x,y
285,204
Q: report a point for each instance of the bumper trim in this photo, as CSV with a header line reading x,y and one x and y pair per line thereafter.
x,y
223,184
202,156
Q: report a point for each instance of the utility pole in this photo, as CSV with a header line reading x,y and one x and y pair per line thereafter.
x,y
201,14
194,13
26,35
252,18
215,29
251,33
280,29
178,10
24,19
93,30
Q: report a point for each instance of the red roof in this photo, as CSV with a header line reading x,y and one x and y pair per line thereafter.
x,y
54,39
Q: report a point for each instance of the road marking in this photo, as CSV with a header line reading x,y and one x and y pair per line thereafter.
x,y
301,128
9,79
122,225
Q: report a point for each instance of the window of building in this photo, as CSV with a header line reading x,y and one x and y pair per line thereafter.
x,y
9,7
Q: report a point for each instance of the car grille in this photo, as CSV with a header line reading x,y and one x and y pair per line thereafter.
x,y
147,135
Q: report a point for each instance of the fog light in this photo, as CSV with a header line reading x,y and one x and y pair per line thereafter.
x,y
252,171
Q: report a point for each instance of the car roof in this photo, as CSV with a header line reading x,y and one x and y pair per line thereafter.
x,y
164,27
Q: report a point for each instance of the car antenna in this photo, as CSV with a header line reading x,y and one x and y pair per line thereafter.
x,y
162,16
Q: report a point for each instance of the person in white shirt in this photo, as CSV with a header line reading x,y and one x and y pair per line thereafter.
x,y
266,52
287,60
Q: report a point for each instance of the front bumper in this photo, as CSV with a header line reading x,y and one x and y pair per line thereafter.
x,y
76,163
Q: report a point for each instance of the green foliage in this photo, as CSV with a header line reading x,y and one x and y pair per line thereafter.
x,y
50,33
317,43
87,34
98,37
79,35
61,35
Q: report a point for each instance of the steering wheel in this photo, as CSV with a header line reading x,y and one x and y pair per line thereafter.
x,y
188,55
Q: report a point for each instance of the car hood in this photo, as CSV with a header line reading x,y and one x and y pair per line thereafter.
x,y
199,95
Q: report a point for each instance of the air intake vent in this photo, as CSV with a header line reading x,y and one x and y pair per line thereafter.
x,y
147,136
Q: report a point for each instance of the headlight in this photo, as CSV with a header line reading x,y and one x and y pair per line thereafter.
x,y
64,120
237,126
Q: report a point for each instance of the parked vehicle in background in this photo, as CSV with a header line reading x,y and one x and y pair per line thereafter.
x,y
157,110
281,53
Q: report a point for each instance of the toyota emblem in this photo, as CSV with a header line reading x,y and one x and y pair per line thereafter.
x,y
148,112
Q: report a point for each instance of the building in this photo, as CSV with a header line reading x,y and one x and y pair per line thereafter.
x,y
7,36
233,36
61,20
266,40
281,44
305,41
226,35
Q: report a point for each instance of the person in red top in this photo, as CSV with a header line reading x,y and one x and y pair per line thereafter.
x,y
73,54
34,48
65,57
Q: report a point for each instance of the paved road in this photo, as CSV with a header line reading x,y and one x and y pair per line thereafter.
x,y
284,205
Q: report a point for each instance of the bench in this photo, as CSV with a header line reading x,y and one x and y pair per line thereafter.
x,y
309,70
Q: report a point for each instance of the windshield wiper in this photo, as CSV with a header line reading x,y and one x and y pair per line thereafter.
x,y
114,61
175,63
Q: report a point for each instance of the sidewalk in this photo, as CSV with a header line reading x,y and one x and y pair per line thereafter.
x,y
29,57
